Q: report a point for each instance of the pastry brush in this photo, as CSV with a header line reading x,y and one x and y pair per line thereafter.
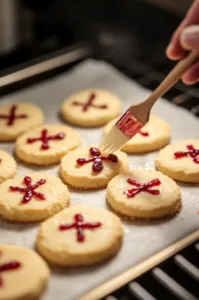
x,y
137,115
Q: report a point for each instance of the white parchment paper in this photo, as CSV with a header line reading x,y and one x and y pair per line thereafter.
x,y
141,239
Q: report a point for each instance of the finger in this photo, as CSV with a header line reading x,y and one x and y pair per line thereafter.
x,y
189,37
192,75
192,16
175,49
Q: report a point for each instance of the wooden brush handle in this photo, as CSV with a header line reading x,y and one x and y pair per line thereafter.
x,y
173,76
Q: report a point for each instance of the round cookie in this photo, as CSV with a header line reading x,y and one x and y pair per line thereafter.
x,y
32,198
91,108
47,144
144,194
17,118
86,168
19,276
180,161
80,235
153,136
8,166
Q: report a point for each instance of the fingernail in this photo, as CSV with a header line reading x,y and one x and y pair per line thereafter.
x,y
171,53
189,37
169,48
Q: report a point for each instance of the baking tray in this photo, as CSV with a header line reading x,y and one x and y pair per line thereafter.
x,y
142,239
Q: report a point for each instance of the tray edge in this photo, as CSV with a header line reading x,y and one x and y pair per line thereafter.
x,y
132,273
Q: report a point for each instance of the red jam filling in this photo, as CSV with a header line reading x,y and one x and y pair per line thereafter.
x,y
80,225
192,152
146,187
29,191
45,138
89,103
144,133
12,116
9,266
97,159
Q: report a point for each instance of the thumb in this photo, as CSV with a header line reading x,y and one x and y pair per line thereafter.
x,y
189,37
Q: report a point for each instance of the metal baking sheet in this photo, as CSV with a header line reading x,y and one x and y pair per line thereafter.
x,y
141,239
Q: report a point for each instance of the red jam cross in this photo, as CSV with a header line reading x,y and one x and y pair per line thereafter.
x,y
12,116
146,187
45,138
80,225
192,152
29,191
9,266
89,103
97,159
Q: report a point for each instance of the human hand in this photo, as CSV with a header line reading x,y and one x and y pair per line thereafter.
x,y
186,38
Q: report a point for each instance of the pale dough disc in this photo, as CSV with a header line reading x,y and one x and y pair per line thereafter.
x,y
12,207
33,117
83,177
29,278
159,135
33,153
8,166
91,246
182,169
144,205
93,116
